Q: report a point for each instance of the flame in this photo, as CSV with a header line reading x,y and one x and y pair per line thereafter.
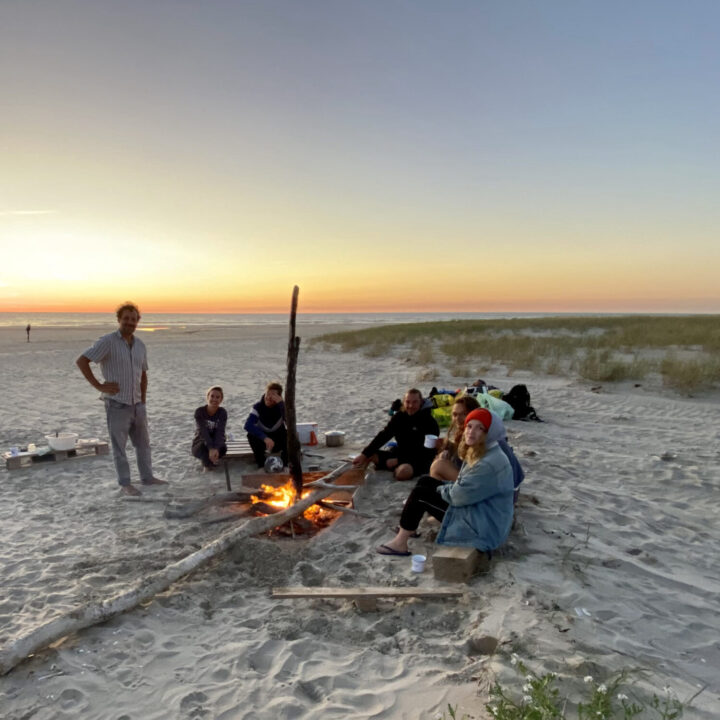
x,y
278,496
283,497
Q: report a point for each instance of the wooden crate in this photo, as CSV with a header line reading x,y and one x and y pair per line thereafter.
x,y
84,448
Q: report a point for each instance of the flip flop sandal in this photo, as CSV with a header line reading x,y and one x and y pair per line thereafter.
x,y
385,550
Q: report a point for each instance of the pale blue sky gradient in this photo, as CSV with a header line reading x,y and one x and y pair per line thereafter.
x,y
574,143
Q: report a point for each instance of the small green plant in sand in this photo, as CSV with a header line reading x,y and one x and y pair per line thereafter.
x,y
451,714
540,699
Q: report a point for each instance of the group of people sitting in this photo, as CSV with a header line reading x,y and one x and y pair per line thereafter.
x,y
468,480
265,427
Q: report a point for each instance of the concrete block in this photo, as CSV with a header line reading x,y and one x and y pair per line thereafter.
x,y
458,564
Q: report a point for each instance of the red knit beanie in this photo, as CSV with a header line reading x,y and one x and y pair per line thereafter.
x,y
482,415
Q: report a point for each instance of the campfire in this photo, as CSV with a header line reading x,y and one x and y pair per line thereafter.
x,y
272,499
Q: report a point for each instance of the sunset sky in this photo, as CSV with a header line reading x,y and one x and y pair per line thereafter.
x,y
382,155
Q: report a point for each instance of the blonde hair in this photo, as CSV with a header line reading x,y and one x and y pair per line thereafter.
x,y
471,453
215,387
455,433
276,386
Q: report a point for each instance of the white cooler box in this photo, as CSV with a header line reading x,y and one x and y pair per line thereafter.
x,y
307,433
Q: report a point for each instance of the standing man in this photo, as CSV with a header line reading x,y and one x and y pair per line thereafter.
x,y
408,426
27,330
123,363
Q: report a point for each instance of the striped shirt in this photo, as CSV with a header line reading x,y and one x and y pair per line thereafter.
x,y
120,363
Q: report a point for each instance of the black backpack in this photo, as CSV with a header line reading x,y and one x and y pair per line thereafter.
x,y
519,398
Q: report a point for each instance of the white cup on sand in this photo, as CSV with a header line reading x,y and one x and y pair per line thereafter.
x,y
431,441
418,563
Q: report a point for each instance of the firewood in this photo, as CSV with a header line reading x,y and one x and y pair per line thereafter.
x,y
192,508
293,443
146,588
341,508
265,508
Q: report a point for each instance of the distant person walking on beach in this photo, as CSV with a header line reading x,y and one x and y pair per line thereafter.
x,y
27,330
209,443
123,363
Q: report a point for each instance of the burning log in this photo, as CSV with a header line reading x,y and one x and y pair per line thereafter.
x,y
192,508
341,508
294,452
263,508
145,589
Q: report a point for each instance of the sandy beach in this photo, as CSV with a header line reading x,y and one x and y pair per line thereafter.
x,y
612,564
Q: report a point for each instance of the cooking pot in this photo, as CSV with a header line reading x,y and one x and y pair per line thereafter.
x,y
334,438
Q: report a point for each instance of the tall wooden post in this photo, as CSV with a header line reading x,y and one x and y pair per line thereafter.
x,y
294,453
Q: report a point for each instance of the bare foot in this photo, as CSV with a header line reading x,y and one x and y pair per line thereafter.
x,y
130,490
155,481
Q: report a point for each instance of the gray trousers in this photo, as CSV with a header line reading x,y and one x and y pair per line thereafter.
x,y
123,421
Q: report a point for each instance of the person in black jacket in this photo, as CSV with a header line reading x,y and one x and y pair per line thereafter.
x,y
265,426
409,427
209,443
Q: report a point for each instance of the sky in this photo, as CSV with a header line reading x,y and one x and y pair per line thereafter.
x,y
383,155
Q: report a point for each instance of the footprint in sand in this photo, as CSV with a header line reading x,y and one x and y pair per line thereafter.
x,y
221,675
192,704
69,698
310,691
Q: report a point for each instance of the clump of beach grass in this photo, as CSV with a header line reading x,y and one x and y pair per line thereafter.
x,y
687,376
601,349
603,366
428,374
541,698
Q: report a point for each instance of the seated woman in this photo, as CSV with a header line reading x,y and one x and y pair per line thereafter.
x,y
446,465
265,425
476,510
208,445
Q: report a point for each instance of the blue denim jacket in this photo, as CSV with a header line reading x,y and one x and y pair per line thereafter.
x,y
481,503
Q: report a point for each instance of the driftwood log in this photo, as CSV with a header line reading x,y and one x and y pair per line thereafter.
x,y
17,650
293,442
186,510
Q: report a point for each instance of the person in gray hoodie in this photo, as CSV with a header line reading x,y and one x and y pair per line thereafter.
x,y
477,509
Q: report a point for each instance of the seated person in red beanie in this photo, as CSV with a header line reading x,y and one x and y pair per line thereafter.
x,y
477,509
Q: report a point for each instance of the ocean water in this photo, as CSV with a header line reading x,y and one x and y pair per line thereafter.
x,y
181,320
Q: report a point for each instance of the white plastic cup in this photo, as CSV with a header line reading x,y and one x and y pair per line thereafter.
x,y
431,441
418,563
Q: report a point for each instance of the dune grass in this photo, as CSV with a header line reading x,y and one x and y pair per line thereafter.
x,y
684,350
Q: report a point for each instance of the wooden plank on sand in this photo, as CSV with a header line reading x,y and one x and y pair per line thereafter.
x,y
357,592
25,458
